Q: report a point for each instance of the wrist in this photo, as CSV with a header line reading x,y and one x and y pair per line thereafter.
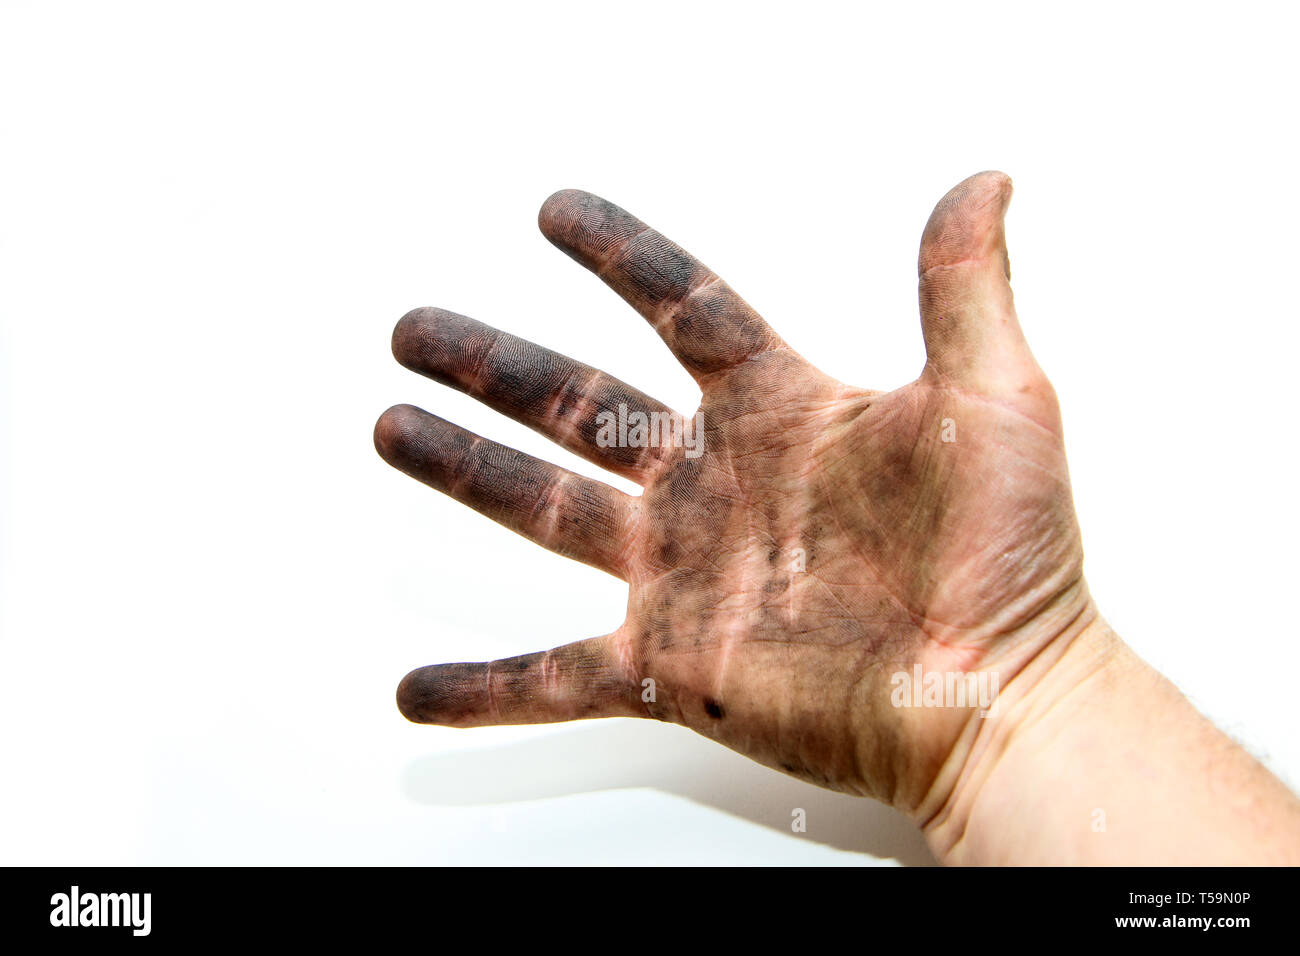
x,y
946,716
996,772
1096,758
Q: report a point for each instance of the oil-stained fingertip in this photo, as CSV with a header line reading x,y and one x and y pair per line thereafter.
x,y
422,695
583,225
395,432
561,206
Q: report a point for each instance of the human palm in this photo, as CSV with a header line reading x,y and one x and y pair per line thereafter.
x,y
799,542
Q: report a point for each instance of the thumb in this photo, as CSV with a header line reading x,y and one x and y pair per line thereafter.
x,y
968,316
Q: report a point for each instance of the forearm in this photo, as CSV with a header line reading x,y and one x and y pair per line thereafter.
x,y
1103,761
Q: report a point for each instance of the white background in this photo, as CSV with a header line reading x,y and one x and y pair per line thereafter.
x,y
211,215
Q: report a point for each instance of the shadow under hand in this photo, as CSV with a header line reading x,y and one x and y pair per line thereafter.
x,y
618,754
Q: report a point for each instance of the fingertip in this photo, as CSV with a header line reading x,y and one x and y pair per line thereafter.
x,y
985,188
439,343
393,432
419,695
407,334
560,210
967,223
584,226
994,176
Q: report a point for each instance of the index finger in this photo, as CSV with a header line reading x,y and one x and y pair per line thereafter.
x,y
706,324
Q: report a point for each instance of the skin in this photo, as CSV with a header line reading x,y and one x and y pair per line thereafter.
x,y
827,538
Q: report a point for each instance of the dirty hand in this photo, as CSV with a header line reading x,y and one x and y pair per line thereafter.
x,y
801,544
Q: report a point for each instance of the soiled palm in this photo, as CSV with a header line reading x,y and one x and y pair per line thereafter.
x,y
820,540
